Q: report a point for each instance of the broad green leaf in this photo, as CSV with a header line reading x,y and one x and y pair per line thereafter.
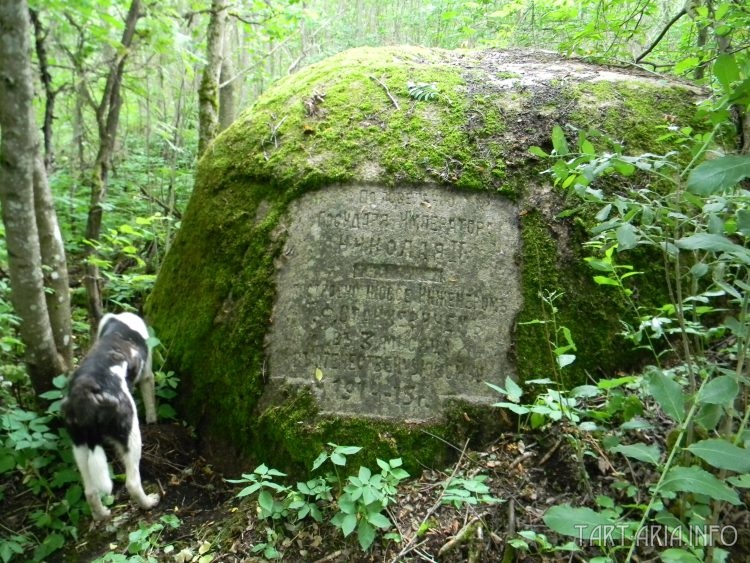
x,y
741,481
319,460
564,360
707,241
612,383
513,390
626,237
338,459
364,474
580,523
518,409
721,390
537,151
743,221
379,520
265,500
624,168
365,534
709,415
604,280
726,70
587,148
348,524
603,213
559,142
693,479
668,394
714,176
722,454
642,452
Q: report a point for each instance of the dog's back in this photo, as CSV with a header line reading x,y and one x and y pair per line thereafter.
x,y
99,406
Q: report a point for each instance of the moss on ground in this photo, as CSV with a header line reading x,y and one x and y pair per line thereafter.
x,y
350,119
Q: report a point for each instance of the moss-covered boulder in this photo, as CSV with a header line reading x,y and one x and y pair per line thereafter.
x,y
365,246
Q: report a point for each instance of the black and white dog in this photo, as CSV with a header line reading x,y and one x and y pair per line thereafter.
x,y
99,408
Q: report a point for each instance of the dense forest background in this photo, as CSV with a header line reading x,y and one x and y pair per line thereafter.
x,y
105,107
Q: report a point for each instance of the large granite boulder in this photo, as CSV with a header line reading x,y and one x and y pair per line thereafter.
x,y
356,262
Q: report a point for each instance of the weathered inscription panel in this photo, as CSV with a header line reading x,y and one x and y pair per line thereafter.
x,y
400,298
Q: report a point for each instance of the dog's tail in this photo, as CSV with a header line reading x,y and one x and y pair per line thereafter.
x,y
99,471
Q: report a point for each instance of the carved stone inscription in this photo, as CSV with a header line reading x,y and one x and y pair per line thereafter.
x,y
398,298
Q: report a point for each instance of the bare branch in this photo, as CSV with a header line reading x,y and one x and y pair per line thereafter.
x,y
661,35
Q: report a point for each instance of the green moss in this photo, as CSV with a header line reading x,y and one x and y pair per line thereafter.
x,y
636,112
290,434
335,123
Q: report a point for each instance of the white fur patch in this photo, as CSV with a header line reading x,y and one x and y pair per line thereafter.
x,y
99,471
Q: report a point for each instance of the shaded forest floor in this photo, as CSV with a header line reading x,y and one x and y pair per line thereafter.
x,y
199,518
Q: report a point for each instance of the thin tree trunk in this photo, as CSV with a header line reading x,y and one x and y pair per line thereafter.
x,y
54,265
40,44
107,118
208,92
228,90
19,147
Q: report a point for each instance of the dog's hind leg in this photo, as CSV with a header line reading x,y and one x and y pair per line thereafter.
x,y
96,480
131,459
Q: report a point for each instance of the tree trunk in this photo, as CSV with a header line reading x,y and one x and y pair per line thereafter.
x,y
20,152
208,92
40,44
107,118
228,90
54,265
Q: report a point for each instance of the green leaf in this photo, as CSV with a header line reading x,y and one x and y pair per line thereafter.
x,y
709,241
721,390
741,481
364,474
642,452
668,394
513,390
693,479
265,500
714,176
726,70
624,168
379,520
579,522
603,213
348,450
338,459
626,237
348,524
365,534
743,221
559,142
722,454
320,460
537,151
604,280
588,148
564,360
